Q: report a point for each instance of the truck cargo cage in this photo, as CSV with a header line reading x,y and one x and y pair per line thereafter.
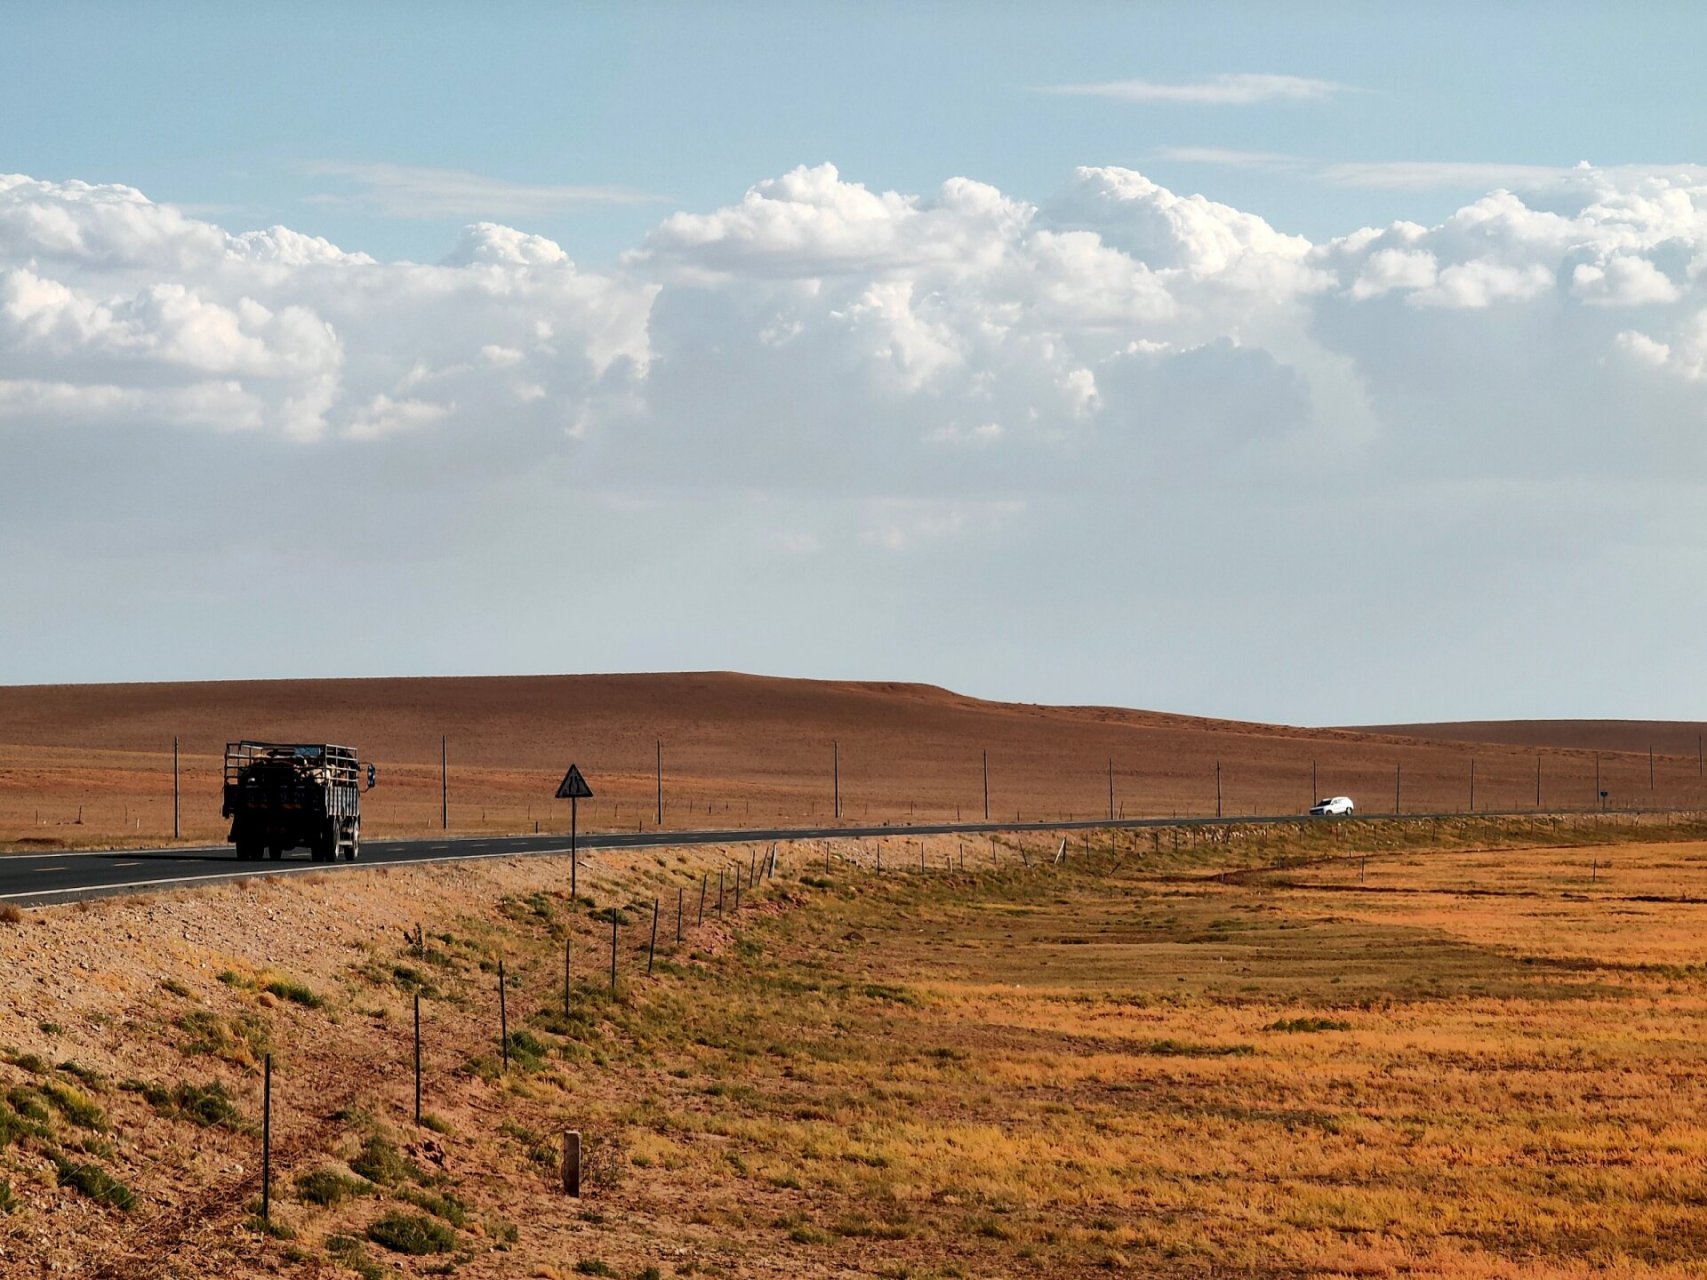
x,y
282,795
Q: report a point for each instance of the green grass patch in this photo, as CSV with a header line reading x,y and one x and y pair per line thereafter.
x,y
94,1182
350,1253
1308,1025
75,1106
414,1234
328,1187
381,1162
1186,1049
295,992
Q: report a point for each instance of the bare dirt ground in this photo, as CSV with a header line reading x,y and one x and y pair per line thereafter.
x,y
1448,1049
91,765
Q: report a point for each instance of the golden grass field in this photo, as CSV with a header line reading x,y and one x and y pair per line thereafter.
x,y
1460,1049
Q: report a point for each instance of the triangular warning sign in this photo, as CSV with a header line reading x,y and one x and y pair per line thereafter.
x,y
574,786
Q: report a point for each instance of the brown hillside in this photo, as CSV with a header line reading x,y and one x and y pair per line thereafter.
x,y
1669,737
741,750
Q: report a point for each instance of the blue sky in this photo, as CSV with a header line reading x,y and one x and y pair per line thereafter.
x,y
240,112
1253,360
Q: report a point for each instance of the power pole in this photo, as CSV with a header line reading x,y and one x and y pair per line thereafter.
x,y
658,758
177,830
444,783
1537,779
1396,769
1111,788
1315,791
836,776
986,785
1472,784
1217,788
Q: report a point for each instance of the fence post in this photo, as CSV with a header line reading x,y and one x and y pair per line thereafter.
x,y
572,1163
652,947
503,1017
267,1138
417,1059
720,893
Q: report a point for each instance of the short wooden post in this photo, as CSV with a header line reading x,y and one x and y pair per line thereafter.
x,y
572,1163
704,878
613,952
737,906
503,1017
652,947
267,1138
720,893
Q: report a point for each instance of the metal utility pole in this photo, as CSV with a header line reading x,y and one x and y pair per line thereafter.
x,y
986,785
836,776
1396,769
444,783
1472,784
177,830
658,759
1217,788
1111,788
1650,767
1537,779
1315,788
1598,794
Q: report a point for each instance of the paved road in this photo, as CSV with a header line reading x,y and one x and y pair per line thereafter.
x,y
32,879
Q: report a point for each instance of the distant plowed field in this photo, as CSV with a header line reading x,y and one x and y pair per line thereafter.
x,y
91,764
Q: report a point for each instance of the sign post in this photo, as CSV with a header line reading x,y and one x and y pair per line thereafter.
x,y
574,789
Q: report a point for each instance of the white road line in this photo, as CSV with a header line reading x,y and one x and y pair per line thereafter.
x,y
127,864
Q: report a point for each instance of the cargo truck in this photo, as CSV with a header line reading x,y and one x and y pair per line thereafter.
x,y
282,796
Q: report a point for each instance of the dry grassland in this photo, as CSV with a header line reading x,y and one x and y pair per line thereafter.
x,y
1473,1051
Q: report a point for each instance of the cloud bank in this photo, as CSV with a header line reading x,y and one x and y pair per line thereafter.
x,y
833,384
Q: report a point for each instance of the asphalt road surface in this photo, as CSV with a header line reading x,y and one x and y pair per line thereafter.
x,y
34,879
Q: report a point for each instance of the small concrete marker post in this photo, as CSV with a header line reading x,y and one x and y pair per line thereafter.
x,y
652,947
572,1163
574,789
503,1017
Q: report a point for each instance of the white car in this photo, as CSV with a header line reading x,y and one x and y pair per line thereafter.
x,y
1333,807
